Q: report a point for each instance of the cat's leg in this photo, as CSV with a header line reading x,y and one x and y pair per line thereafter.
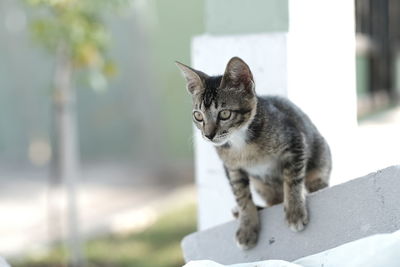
x,y
271,192
249,223
235,211
316,179
294,190
319,167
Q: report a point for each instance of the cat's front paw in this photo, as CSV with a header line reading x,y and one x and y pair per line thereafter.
x,y
297,217
247,236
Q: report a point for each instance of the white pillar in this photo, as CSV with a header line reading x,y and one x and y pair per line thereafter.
x,y
321,75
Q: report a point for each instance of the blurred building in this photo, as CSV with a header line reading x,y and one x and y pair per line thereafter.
x,y
135,134
140,116
378,61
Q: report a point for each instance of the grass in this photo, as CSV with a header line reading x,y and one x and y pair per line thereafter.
x,y
156,246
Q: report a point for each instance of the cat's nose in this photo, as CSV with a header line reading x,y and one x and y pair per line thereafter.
x,y
210,136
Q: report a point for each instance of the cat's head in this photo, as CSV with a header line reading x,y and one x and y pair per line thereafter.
x,y
222,105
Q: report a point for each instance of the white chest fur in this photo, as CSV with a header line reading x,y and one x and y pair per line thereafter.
x,y
237,140
262,170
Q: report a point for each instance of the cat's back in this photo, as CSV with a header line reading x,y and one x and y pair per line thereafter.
x,y
282,111
280,105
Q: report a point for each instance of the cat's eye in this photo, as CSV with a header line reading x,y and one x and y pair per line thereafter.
x,y
198,116
225,114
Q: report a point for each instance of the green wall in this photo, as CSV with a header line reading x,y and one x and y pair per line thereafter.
x,y
251,16
362,76
24,90
178,21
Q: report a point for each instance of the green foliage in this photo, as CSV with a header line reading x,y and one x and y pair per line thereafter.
x,y
79,25
157,246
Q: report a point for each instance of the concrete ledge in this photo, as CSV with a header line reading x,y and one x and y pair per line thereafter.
x,y
343,213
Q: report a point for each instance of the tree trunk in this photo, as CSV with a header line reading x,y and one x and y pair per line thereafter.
x,y
67,165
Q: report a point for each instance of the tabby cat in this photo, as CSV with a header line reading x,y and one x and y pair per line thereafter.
x,y
266,141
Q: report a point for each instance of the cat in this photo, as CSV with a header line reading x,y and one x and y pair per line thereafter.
x,y
264,141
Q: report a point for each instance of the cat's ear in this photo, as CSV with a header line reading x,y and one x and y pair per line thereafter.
x,y
237,74
194,78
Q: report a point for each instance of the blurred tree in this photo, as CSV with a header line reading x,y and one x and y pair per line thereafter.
x,y
74,33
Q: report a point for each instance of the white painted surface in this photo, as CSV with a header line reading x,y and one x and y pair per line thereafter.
x,y
265,54
321,75
373,209
373,251
313,65
214,195
269,263
3,263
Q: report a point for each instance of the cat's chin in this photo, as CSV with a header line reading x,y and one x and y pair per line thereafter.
x,y
216,142
220,143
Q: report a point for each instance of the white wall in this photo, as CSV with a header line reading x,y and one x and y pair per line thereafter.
x,y
321,74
